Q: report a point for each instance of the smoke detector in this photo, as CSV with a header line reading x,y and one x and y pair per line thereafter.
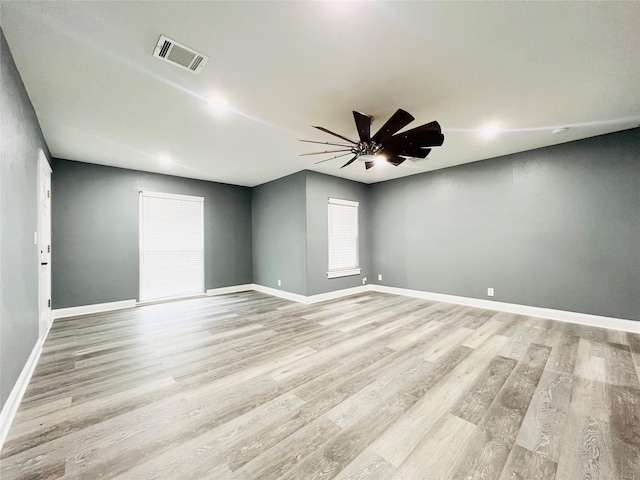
x,y
180,55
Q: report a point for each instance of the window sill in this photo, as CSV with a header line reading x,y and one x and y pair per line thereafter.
x,y
343,273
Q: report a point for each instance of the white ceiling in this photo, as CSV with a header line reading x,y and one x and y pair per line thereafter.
x,y
530,67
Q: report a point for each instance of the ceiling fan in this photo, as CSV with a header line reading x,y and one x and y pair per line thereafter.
x,y
386,144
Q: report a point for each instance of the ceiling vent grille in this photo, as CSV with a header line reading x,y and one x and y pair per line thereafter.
x,y
179,55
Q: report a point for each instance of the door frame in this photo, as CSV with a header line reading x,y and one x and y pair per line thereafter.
x,y
44,247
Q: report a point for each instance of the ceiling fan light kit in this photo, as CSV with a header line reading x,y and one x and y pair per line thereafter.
x,y
386,144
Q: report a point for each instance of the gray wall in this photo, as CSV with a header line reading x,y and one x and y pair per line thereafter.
x,y
95,255
279,234
557,227
21,140
319,188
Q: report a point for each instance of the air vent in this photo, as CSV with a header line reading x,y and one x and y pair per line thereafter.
x,y
179,55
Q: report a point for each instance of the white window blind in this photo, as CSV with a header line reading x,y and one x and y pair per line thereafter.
x,y
343,238
171,246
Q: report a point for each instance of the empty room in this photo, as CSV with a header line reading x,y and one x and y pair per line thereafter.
x,y
316,240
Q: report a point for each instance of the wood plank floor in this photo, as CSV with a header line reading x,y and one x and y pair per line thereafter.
x,y
373,386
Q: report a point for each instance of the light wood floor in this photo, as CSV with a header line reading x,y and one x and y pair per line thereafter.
x,y
375,386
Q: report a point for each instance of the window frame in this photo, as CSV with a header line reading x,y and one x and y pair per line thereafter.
x,y
350,270
141,243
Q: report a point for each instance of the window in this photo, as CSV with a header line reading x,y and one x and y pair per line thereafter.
x,y
343,238
171,246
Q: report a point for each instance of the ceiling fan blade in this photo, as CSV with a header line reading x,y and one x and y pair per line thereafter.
x,y
427,135
425,139
334,134
409,151
368,165
401,142
349,162
395,159
327,159
427,127
398,121
325,143
326,151
363,122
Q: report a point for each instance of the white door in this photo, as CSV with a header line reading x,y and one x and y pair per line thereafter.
x,y
44,243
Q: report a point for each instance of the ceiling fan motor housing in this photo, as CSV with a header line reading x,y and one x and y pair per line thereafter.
x,y
367,148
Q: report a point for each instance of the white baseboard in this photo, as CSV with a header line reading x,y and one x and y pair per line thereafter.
x,y
321,297
10,407
586,319
95,308
233,289
294,297
552,314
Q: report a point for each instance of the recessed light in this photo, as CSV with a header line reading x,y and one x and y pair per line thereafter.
x,y
560,130
164,159
218,104
490,131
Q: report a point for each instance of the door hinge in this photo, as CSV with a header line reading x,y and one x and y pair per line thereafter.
x,y
48,193
49,303
48,248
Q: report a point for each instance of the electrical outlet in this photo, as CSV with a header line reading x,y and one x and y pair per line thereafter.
x,y
364,281
279,283
380,277
490,292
